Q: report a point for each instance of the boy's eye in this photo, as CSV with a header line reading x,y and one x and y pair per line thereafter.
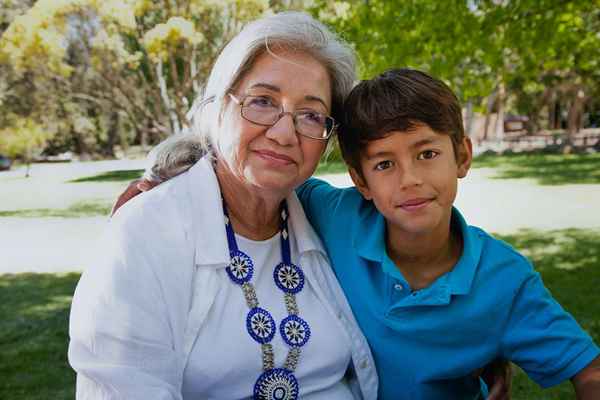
x,y
427,155
383,165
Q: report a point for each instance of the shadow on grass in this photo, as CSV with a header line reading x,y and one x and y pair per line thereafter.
x,y
77,210
547,169
34,336
125,175
569,262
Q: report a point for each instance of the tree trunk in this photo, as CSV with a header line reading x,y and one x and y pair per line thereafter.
x,y
575,114
113,135
488,110
469,118
164,93
499,128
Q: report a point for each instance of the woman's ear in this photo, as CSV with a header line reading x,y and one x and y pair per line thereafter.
x,y
360,184
465,157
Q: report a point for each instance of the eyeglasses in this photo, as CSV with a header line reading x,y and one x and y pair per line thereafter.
x,y
261,110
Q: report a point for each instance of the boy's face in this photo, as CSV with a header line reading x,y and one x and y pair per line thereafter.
x,y
412,178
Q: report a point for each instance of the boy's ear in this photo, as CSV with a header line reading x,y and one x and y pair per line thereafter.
x,y
465,156
360,184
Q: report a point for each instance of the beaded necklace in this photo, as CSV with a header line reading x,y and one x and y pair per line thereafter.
x,y
273,383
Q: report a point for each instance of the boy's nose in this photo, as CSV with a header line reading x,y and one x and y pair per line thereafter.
x,y
283,131
409,177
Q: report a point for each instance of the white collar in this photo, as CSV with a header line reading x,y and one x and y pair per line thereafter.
x,y
209,225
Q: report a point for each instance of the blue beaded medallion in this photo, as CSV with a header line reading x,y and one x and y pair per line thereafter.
x,y
288,277
241,267
260,325
276,384
294,331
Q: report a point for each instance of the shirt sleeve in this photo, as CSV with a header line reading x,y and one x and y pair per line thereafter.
x,y
319,200
542,338
121,337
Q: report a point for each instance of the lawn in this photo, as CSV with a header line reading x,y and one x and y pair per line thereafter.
x,y
546,169
34,313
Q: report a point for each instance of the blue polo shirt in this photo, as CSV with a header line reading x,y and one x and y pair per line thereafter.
x,y
426,343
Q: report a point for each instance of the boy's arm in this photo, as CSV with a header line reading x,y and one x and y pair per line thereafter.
x,y
547,342
587,381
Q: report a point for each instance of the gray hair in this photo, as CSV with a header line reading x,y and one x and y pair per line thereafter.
x,y
292,30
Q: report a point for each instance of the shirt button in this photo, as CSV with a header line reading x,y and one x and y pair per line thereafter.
x,y
398,287
364,364
340,315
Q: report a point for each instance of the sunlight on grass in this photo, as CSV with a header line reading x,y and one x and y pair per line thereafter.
x,y
546,169
76,210
112,176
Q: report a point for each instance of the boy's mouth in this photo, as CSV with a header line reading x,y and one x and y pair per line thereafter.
x,y
415,204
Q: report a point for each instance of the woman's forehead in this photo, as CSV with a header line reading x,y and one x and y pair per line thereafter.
x,y
289,72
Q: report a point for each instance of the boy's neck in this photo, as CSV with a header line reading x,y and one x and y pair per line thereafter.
x,y
424,258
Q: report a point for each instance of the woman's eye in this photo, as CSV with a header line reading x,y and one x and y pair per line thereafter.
x,y
427,155
312,117
260,102
383,165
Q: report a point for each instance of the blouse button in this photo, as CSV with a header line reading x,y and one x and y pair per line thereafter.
x,y
398,287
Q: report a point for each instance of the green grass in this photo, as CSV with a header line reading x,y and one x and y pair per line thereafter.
x,y
33,336
546,169
77,210
34,314
125,175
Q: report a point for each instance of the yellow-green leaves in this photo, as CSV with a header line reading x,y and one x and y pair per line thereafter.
x,y
166,38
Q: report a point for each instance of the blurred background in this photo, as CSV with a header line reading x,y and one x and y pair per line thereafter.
x,y
87,87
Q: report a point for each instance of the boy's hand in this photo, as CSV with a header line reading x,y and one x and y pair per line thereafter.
x,y
498,376
135,187
587,381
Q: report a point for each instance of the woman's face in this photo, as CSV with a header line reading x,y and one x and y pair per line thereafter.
x,y
276,158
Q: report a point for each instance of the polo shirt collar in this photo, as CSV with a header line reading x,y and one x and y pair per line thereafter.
x,y
209,223
369,242
461,277
369,233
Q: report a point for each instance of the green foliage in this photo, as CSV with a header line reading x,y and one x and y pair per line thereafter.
x,y
546,169
78,210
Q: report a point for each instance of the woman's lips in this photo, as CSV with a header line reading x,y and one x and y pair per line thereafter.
x,y
415,204
275,158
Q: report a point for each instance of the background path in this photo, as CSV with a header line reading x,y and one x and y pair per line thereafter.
x,y
67,244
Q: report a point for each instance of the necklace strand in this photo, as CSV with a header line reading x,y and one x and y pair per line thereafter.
x,y
273,383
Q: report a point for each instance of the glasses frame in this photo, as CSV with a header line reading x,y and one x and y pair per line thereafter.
x,y
282,113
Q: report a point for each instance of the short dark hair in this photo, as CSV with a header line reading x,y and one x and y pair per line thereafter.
x,y
397,100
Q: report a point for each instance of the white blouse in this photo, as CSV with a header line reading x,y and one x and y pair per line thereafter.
x,y
225,361
146,318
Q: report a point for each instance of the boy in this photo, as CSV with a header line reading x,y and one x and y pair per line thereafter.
x,y
436,298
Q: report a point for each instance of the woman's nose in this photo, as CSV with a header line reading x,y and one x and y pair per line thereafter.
x,y
284,130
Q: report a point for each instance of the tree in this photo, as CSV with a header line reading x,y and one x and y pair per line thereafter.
x,y
137,63
25,138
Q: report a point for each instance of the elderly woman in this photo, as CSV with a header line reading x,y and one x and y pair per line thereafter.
x,y
214,284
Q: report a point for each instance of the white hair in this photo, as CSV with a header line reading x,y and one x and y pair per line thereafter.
x,y
297,31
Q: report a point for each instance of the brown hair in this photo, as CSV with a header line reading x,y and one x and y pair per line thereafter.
x,y
397,100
